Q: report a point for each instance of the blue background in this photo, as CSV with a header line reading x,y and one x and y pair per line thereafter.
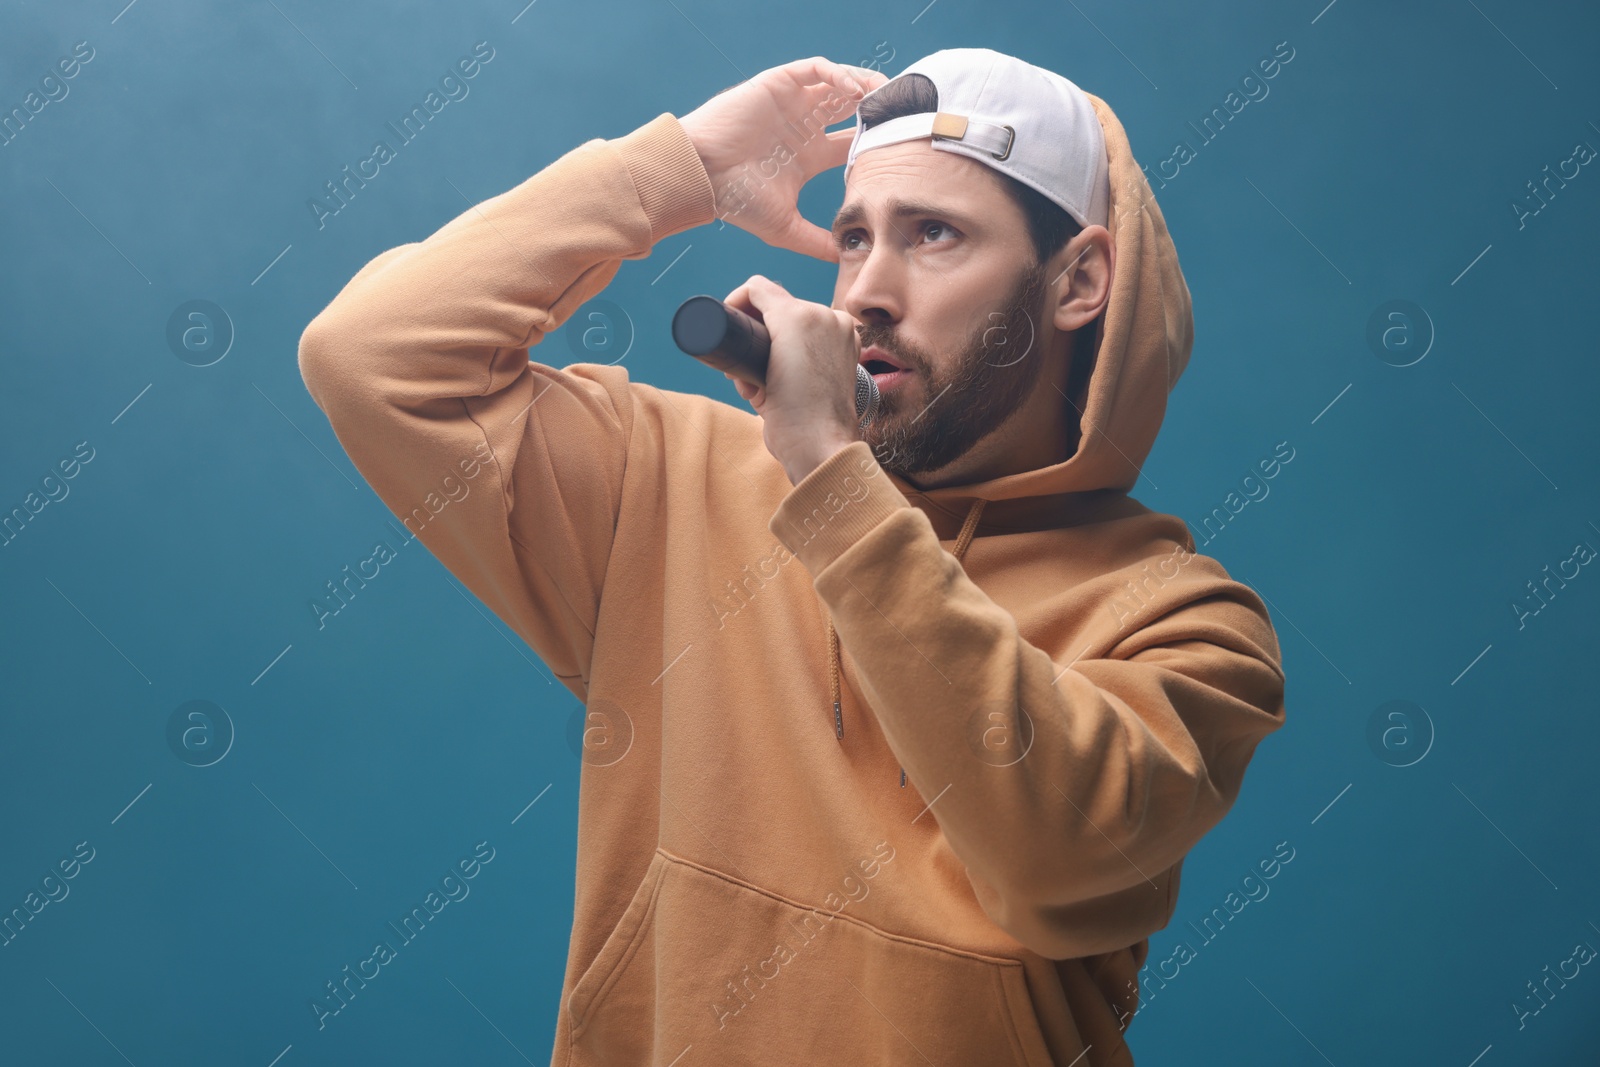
x,y
1441,859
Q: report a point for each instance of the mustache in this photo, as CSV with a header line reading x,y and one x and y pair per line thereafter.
x,y
869,338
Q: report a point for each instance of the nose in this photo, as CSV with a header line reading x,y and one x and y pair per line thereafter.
x,y
872,287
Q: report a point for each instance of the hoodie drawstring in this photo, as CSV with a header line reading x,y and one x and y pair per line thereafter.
x,y
968,528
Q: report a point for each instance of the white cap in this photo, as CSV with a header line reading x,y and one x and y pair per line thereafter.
x,y
1024,121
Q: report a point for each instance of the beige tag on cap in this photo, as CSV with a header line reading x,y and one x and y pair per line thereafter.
x,y
947,125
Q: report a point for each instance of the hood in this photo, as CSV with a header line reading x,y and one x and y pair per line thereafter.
x,y
1142,344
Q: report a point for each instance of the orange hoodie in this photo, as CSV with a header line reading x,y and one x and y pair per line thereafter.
x,y
929,876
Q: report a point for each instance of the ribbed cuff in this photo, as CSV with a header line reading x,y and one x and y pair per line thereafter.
x,y
834,506
672,181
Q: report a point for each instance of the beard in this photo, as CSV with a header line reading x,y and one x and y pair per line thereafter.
x,y
1000,365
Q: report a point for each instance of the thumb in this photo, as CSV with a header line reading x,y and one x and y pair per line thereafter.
x,y
837,146
809,239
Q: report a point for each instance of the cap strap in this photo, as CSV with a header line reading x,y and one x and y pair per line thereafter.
x,y
945,125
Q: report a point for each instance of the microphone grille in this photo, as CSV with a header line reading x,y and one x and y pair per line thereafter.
x,y
866,396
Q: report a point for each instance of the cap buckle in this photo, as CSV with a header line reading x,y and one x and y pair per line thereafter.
x,y
1009,141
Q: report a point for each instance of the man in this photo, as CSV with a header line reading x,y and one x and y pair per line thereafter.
x,y
944,832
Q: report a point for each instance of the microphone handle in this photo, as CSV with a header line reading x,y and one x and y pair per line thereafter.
x,y
726,339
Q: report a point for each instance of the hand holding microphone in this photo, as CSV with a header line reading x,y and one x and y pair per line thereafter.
x,y
726,339
796,361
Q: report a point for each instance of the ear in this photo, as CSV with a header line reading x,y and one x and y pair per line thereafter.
x,y
1079,278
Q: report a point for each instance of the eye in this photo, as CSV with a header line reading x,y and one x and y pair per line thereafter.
x,y
844,239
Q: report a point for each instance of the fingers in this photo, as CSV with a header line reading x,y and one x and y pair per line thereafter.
x,y
847,326
864,79
761,293
832,149
740,300
855,82
744,388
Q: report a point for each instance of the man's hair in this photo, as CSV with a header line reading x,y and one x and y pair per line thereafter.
x,y
1049,225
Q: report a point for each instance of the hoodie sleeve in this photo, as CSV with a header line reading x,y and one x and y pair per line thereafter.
x,y
509,471
1138,748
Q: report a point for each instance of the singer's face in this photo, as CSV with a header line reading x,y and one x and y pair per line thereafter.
x,y
936,264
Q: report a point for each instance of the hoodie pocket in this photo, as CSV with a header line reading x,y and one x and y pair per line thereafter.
x,y
706,964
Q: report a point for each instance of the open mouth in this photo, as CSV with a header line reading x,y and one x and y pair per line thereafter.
x,y
887,375
877,363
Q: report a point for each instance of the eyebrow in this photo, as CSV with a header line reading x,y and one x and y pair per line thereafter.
x,y
855,211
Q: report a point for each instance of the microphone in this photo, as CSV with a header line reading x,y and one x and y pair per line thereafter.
x,y
726,339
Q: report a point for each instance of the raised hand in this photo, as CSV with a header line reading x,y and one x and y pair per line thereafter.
x,y
763,139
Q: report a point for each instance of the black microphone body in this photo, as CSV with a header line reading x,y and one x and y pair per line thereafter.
x,y
728,340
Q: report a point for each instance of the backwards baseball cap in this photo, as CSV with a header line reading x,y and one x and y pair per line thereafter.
x,y
1026,122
